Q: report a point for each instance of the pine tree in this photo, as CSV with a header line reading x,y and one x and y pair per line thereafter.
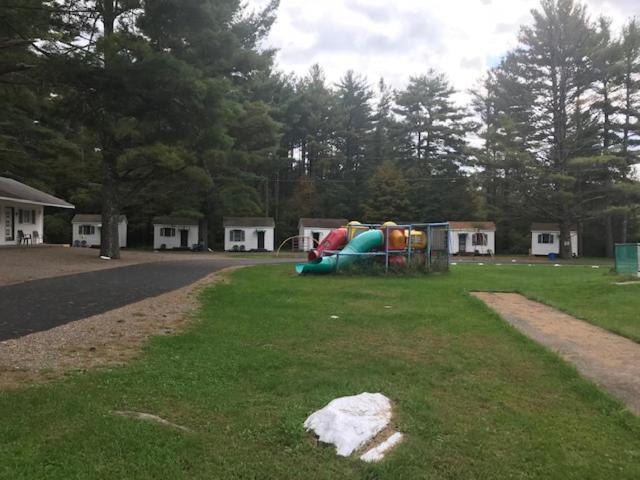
x,y
388,195
434,147
553,53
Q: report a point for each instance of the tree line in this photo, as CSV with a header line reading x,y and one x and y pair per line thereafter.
x,y
174,107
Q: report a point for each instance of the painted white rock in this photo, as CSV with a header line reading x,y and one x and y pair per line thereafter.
x,y
377,453
350,422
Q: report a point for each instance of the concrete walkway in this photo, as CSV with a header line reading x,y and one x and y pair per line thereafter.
x,y
43,304
609,360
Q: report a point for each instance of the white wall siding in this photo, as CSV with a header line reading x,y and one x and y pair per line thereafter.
x,y
454,242
250,238
95,239
547,248
27,228
174,242
307,244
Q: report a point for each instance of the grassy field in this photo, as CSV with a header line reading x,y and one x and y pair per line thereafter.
x,y
475,398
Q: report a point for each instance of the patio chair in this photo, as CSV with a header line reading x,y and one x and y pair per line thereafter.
x,y
35,237
23,239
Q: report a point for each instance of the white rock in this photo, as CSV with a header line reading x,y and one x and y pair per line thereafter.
x,y
350,422
335,317
377,453
105,258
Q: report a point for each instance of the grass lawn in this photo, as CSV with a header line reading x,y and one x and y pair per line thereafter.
x,y
476,399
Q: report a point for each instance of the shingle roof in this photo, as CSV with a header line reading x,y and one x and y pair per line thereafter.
x,y
322,222
19,192
91,218
248,222
174,221
479,225
549,227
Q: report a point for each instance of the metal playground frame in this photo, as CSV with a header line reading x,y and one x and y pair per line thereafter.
x,y
435,257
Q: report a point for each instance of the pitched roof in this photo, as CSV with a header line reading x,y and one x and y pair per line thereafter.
x,y
473,225
248,222
19,192
549,227
167,220
91,218
323,222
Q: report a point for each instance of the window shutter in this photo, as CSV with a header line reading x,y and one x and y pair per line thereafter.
x,y
33,217
20,215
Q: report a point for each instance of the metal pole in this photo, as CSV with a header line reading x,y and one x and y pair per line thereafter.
x,y
409,245
386,257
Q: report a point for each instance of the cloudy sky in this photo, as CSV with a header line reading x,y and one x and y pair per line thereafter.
x,y
395,39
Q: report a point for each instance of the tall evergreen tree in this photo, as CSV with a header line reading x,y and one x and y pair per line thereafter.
x,y
554,51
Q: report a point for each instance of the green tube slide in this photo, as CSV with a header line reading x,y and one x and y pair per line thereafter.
x,y
365,242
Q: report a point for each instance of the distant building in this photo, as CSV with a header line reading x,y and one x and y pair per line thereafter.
x,y
249,234
313,230
87,230
175,233
472,238
22,212
545,239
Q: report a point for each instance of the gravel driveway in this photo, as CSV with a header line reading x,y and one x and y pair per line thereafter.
x,y
43,304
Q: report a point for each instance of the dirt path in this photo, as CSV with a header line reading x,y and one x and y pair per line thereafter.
x,y
609,360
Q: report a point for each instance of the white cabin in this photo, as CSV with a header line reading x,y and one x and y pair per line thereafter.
x,y
87,230
22,212
313,230
477,238
545,239
175,233
249,234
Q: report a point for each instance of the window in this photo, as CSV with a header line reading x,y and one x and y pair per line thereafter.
x,y
86,230
479,240
167,232
236,235
27,216
546,238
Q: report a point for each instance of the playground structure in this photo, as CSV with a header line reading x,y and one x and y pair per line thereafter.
x,y
396,246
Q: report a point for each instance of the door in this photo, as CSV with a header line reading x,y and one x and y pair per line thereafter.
x,y
260,240
184,238
462,243
316,239
9,224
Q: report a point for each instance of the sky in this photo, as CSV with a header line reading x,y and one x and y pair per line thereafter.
x,y
396,39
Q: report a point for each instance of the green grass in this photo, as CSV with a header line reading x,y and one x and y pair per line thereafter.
x,y
476,399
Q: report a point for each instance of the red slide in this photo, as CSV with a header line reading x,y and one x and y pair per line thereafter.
x,y
335,240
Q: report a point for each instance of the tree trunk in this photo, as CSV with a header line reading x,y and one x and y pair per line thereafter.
x,y
109,237
109,241
580,236
203,233
565,239
608,225
624,228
